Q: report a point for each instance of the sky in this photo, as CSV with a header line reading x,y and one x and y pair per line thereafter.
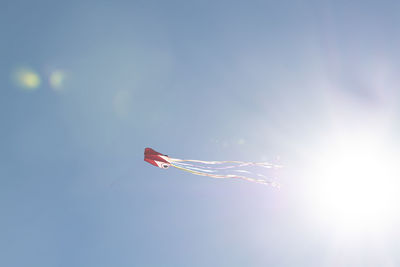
x,y
86,85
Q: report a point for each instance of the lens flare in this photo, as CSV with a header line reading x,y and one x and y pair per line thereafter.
x,y
122,103
27,79
57,79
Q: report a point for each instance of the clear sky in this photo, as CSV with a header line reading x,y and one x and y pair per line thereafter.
x,y
86,85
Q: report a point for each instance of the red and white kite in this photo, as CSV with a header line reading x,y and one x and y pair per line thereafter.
x,y
213,169
156,159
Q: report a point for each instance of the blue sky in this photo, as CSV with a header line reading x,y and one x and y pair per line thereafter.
x,y
211,80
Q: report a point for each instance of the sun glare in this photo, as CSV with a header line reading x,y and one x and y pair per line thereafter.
x,y
355,183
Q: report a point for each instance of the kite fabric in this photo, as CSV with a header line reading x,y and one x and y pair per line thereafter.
x,y
214,169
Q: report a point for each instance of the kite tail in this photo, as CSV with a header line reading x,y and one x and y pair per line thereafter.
x,y
234,162
211,173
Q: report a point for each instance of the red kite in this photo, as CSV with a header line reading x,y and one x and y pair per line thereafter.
x,y
213,169
157,159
